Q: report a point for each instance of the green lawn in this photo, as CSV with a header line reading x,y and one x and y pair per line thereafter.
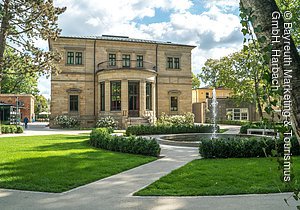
x,y
58,163
222,177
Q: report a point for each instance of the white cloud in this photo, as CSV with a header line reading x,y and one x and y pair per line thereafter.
x,y
216,31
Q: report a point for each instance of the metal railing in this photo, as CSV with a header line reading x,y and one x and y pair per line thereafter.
x,y
126,64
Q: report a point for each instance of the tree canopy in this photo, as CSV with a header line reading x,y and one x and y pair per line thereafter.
x,y
23,24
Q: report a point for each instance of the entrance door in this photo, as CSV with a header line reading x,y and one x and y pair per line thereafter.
x,y
133,99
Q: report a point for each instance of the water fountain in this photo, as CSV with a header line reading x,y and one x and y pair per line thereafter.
x,y
214,105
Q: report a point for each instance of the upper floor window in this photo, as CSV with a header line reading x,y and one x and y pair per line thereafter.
x,y
112,59
73,101
74,58
126,60
173,63
207,95
139,61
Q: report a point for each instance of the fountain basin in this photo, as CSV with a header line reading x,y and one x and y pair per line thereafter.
x,y
191,139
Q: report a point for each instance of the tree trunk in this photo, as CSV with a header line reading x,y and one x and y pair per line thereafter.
x,y
263,10
260,112
3,33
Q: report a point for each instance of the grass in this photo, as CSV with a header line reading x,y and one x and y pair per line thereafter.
x,y
58,163
223,130
222,177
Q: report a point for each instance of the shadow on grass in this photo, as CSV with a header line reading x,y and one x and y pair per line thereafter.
x,y
61,173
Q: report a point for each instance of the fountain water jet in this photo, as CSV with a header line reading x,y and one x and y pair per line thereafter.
x,y
214,105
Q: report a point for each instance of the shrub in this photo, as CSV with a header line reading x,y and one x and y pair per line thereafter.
x,y
107,122
66,121
101,138
259,125
243,147
163,129
168,120
11,129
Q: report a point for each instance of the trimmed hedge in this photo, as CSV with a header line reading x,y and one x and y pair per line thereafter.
x,y
12,129
239,147
233,122
163,129
101,138
258,125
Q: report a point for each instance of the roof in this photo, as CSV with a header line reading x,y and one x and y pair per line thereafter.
x,y
124,39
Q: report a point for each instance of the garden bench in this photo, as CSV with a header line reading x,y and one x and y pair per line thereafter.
x,y
260,130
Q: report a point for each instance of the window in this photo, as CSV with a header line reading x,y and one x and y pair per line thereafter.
x,y
176,63
126,60
70,58
102,96
207,95
174,103
170,62
74,58
237,114
73,103
115,95
148,96
78,58
173,63
139,61
112,59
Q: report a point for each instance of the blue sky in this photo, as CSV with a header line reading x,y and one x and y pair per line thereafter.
x,y
212,25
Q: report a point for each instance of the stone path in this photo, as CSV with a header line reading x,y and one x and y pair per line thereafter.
x,y
115,192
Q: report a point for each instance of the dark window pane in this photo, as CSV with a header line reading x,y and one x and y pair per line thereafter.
x,y
126,60
174,103
102,96
148,96
78,58
170,62
112,59
70,58
176,63
115,91
139,61
73,103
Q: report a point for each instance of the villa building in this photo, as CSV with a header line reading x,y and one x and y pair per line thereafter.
x,y
132,80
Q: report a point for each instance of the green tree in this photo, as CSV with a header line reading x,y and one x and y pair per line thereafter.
x,y
23,22
195,81
261,24
241,72
14,82
40,104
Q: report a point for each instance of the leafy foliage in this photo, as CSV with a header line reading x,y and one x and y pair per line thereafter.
x,y
167,129
40,104
107,122
12,129
23,24
101,138
239,147
168,120
195,81
65,121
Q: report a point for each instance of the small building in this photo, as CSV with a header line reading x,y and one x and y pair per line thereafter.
x,y
23,103
132,80
228,108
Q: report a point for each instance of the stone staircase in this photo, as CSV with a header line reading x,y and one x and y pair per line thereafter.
x,y
137,121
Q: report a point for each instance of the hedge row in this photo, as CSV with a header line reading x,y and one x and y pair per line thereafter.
x,y
162,129
232,122
244,147
259,125
101,138
11,129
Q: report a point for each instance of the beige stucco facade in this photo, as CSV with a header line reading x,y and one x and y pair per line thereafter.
x,y
93,79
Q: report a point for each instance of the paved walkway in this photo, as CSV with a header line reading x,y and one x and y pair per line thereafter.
x,y
115,192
